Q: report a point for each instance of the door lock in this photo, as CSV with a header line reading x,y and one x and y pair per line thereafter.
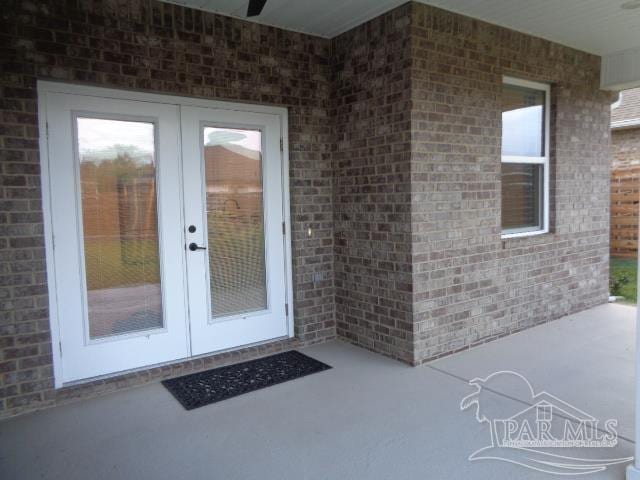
x,y
194,246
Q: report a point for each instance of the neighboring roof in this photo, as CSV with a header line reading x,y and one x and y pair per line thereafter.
x,y
626,111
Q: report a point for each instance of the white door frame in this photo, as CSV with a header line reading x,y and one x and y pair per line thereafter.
x,y
45,87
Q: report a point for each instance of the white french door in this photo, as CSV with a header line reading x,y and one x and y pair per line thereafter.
x,y
114,210
164,226
234,227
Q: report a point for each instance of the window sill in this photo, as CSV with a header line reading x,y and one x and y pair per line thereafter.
x,y
506,236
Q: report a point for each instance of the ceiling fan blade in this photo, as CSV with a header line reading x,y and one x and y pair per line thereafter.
x,y
255,7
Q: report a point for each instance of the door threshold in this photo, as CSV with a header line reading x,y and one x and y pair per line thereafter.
x,y
108,376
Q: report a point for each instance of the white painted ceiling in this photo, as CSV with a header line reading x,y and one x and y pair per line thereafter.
x,y
596,26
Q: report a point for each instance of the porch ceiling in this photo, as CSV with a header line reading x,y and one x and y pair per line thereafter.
x,y
590,25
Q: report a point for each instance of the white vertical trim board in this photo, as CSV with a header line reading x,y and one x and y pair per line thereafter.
x,y
56,342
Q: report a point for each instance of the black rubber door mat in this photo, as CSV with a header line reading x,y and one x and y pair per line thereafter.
x,y
203,388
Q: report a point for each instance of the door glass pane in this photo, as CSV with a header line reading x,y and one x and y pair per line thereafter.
x,y
521,196
233,177
522,121
120,225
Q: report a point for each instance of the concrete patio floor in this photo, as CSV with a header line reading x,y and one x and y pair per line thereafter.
x,y
368,418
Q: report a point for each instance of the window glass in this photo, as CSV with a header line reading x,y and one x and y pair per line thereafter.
x,y
120,225
235,225
522,121
522,196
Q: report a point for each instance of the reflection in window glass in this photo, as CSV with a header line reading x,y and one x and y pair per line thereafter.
x,y
235,226
521,196
119,221
522,121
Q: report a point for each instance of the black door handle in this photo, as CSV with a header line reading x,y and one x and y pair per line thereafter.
x,y
194,246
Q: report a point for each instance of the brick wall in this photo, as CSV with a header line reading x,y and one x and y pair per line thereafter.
x,y
625,147
469,286
372,121
462,285
163,48
395,161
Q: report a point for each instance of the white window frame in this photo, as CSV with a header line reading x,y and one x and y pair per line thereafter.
x,y
543,160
